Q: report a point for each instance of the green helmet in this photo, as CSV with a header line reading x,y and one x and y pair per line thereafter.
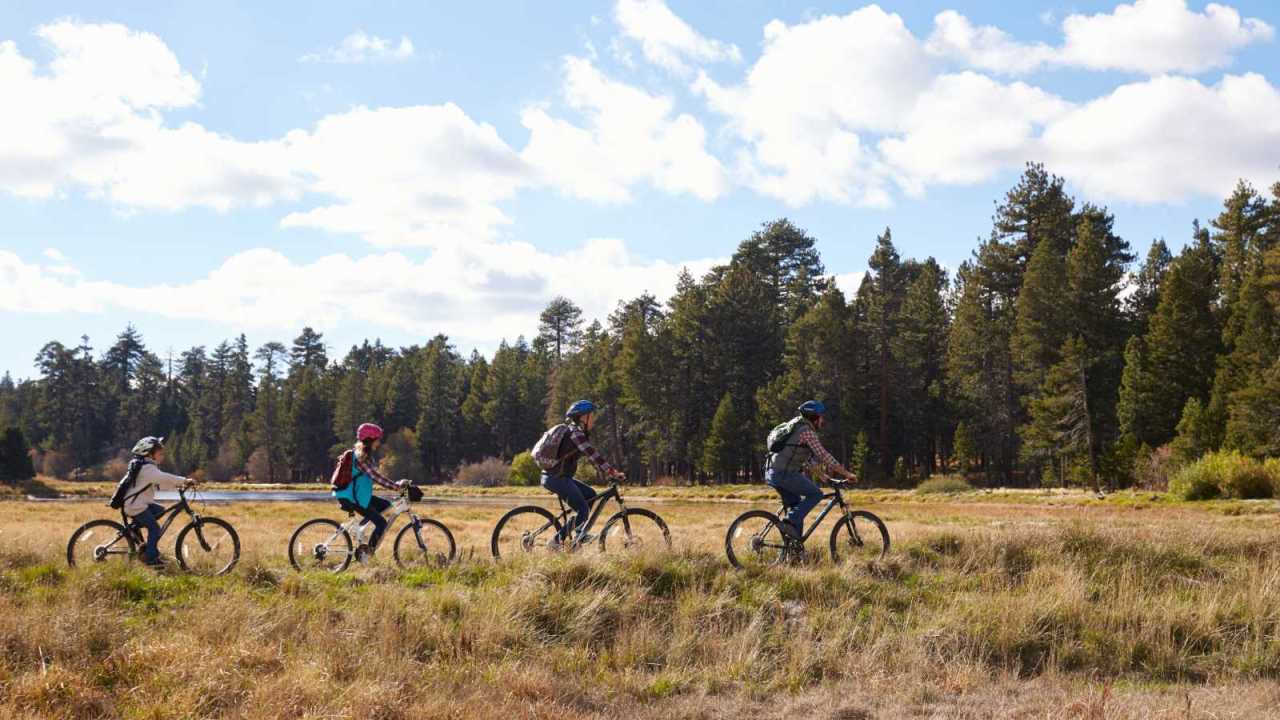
x,y
148,445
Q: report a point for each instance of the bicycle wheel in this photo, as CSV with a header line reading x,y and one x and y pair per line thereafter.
x,y
755,539
860,536
635,530
320,544
527,529
430,544
208,546
99,541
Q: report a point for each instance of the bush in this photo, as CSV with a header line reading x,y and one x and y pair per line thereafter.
x,y
57,463
1223,474
490,472
401,457
1153,469
524,471
947,484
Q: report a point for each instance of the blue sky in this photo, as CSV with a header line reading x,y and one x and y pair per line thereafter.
x,y
395,169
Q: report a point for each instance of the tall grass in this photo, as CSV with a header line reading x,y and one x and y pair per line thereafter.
x,y
953,611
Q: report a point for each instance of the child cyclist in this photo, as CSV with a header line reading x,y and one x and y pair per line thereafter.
x,y
140,503
353,480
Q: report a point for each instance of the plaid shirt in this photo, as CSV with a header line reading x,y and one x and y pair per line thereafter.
x,y
821,458
368,468
585,447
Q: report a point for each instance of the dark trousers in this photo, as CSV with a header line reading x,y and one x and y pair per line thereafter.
x,y
147,519
576,494
799,495
371,514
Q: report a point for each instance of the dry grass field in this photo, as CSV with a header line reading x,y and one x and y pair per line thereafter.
x,y
986,607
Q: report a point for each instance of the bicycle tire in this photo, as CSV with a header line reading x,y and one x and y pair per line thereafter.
x,y
402,556
756,543
626,518
525,543
852,536
181,548
85,531
297,556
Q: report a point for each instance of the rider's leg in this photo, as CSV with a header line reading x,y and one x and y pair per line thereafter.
x,y
571,491
373,514
806,492
147,519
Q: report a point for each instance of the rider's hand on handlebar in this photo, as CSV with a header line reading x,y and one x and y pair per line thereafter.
x,y
404,483
616,474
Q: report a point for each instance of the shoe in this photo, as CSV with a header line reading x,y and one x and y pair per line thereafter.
x,y
586,539
158,561
791,531
363,553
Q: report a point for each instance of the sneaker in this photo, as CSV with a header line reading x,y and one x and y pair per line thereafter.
x,y
158,561
791,531
586,538
363,553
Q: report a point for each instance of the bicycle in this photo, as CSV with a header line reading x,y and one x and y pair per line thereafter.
x,y
756,538
325,544
532,528
205,545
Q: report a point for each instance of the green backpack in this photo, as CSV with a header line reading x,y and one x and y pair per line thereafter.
x,y
778,436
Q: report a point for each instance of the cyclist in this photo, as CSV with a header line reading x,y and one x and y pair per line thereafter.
x,y
559,478
795,447
353,480
140,503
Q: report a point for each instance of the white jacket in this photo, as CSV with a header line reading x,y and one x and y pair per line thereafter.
x,y
143,492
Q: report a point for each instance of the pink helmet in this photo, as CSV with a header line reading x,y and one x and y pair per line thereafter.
x,y
368,431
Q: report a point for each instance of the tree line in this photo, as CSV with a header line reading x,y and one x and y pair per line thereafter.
x,y
1051,357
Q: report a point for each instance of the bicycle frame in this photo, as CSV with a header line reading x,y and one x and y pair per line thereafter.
x,y
355,524
596,503
168,515
835,498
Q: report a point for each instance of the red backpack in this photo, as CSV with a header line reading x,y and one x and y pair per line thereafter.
x,y
342,471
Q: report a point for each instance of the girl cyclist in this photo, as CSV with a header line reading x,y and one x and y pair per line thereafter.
x,y
353,481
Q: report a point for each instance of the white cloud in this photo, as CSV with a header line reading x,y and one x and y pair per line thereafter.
x,y
361,47
965,128
815,88
1147,36
1166,138
93,120
666,40
986,48
480,292
628,136
421,175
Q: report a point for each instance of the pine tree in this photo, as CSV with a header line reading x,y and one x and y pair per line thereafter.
x,y
1142,303
268,414
1042,316
308,350
476,440
15,458
722,453
403,402
439,421
1061,429
560,326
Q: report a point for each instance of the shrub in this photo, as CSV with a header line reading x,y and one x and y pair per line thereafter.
x,y
57,463
1223,474
401,457
490,472
524,471
1153,469
947,484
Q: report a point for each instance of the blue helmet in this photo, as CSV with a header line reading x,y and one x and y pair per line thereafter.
x,y
810,408
580,408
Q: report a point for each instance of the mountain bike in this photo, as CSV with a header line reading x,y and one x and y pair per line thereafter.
x,y
756,538
324,544
532,528
205,545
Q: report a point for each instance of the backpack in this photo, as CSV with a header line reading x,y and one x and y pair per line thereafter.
x,y
123,487
546,452
342,471
779,435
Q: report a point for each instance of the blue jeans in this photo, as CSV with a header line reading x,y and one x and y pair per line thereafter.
x,y
574,492
371,514
799,495
147,519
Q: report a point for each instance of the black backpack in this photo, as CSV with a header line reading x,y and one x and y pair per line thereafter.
x,y
126,483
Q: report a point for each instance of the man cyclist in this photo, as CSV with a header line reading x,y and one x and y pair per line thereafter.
x,y
140,503
559,478
794,448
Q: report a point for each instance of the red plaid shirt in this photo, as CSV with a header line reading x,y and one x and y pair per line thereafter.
x,y
585,447
821,458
